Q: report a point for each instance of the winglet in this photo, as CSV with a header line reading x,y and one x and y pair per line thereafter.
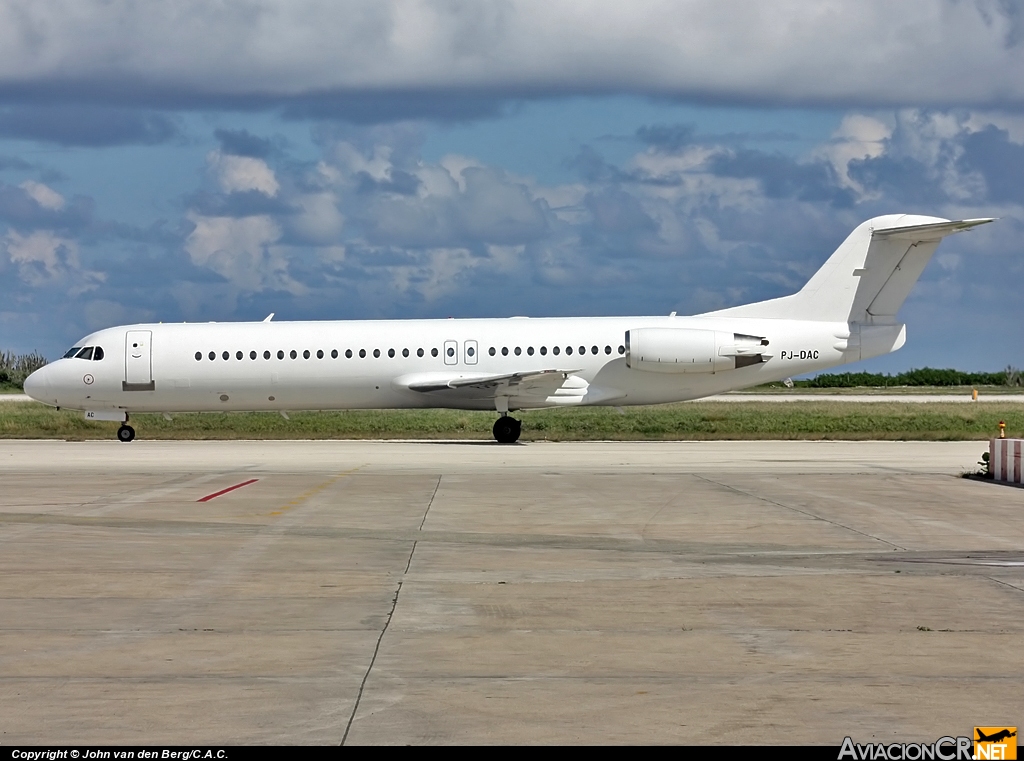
x,y
269,317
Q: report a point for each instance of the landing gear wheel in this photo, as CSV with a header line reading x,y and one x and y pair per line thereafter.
x,y
125,433
506,430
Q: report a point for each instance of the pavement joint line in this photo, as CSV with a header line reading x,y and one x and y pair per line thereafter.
x,y
436,487
725,552
802,512
1004,583
387,623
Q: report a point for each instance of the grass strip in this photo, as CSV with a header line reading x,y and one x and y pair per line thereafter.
x,y
894,421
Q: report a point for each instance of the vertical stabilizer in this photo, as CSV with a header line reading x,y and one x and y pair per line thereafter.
x,y
869,276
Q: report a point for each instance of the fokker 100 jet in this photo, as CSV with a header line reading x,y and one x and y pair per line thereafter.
x,y
846,312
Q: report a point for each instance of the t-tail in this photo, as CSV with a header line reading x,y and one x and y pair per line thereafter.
x,y
865,282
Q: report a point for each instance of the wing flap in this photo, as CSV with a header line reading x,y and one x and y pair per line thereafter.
x,y
489,382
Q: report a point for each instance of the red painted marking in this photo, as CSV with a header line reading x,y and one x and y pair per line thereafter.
x,y
208,497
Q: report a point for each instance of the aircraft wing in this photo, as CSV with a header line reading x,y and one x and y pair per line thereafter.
x,y
508,384
532,388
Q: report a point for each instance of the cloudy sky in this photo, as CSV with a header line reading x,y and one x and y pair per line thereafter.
x,y
321,159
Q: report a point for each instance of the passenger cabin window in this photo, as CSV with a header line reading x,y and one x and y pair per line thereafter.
x,y
529,351
73,351
433,352
334,353
238,355
305,354
419,352
319,353
543,350
199,356
266,355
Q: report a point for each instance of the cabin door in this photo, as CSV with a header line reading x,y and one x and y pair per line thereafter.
x,y
138,360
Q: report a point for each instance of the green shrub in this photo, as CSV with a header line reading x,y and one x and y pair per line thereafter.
x,y
15,368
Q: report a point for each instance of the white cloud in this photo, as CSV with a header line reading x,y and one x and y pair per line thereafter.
x,y
829,51
319,221
242,173
44,258
241,250
858,137
43,195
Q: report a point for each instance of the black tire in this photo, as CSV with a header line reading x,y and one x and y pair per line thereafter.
x,y
506,430
125,433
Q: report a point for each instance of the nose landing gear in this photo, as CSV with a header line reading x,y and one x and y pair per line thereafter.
x,y
507,429
125,433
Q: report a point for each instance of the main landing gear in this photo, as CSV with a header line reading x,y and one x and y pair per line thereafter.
x,y
125,433
507,429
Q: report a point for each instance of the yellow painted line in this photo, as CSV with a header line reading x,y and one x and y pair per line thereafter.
x,y
314,491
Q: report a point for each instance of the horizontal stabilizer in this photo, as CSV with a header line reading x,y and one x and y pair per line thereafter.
x,y
935,231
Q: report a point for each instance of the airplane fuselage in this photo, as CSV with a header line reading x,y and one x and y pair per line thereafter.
x,y
372,364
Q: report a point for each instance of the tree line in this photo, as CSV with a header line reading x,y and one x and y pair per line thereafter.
x,y
15,368
925,376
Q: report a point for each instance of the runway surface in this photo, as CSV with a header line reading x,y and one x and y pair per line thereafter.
x,y
450,592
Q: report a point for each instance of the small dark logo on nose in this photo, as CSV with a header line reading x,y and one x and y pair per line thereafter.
x,y
88,380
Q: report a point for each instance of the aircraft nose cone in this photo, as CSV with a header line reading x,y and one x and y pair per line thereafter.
x,y
37,385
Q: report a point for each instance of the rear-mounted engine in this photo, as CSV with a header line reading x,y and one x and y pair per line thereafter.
x,y
687,350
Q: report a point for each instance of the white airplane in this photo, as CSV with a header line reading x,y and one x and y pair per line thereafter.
x,y
846,312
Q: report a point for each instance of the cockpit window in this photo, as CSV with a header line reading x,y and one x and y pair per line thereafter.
x,y
72,352
97,353
85,353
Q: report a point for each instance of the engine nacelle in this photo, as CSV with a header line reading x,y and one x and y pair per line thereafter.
x,y
690,350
